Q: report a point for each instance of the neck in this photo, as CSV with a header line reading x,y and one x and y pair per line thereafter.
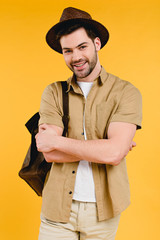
x,y
93,75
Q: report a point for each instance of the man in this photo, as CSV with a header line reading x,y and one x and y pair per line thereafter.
x,y
87,187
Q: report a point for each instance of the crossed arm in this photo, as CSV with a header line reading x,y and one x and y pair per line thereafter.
x,y
57,148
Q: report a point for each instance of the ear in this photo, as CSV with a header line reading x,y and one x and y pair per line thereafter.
x,y
97,43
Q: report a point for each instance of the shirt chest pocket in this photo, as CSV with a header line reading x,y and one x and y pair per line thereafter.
x,y
104,111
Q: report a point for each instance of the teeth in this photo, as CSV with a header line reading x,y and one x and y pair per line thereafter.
x,y
79,65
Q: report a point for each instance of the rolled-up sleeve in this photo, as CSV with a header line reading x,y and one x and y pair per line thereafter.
x,y
129,108
50,109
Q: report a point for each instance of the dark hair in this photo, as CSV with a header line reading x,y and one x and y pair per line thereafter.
x,y
68,28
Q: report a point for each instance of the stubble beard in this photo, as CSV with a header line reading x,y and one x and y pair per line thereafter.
x,y
87,71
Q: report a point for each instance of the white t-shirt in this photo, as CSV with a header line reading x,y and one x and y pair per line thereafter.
x,y
84,185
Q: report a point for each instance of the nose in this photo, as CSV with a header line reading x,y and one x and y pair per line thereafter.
x,y
76,55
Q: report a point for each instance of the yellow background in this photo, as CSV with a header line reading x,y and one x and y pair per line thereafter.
x,y
27,65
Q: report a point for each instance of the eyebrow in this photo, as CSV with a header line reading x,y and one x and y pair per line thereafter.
x,y
65,48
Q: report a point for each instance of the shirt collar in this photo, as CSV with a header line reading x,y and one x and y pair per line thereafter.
x,y
72,85
103,76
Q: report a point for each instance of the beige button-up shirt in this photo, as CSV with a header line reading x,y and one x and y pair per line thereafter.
x,y
109,100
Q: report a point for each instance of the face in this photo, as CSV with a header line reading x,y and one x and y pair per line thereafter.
x,y
80,52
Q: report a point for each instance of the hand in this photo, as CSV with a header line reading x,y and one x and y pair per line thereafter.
x,y
46,138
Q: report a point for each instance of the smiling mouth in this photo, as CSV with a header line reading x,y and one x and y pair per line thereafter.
x,y
79,65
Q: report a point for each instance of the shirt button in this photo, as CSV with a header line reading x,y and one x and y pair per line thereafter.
x,y
70,192
73,172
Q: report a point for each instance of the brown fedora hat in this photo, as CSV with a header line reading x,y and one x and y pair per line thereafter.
x,y
71,16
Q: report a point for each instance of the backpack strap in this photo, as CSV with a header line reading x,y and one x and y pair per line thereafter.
x,y
65,117
32,124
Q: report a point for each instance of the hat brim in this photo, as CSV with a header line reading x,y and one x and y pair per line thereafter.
x,y
97,27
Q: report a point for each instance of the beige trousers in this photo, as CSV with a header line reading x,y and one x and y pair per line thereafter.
x,y
82,225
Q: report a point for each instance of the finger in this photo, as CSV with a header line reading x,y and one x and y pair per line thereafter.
x,y
42,127
133,144
36,136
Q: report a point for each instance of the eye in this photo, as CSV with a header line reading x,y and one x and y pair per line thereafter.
x,y
68,51
83,47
